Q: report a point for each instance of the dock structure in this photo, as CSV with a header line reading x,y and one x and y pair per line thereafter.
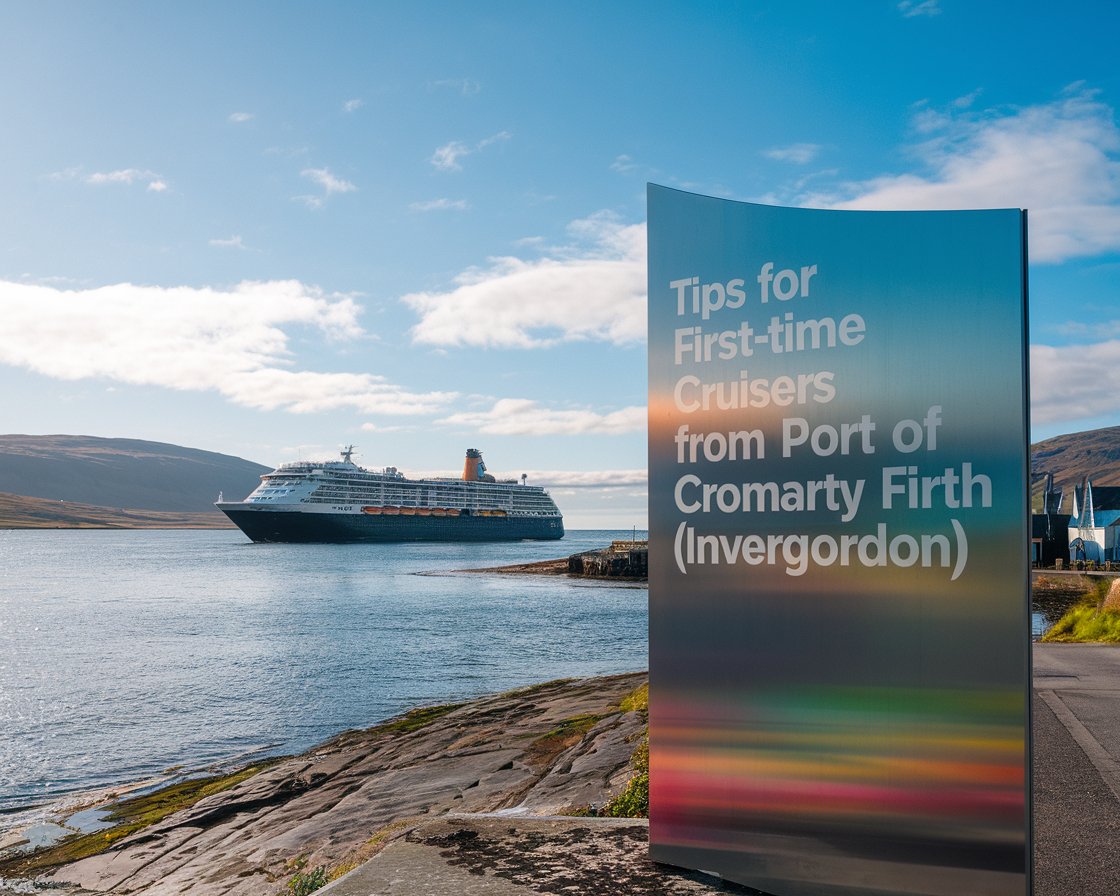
x,y
622,560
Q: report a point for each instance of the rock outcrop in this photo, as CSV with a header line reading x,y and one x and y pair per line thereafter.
x,y
538,751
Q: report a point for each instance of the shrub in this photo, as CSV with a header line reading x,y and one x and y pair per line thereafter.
x,y
633,802
306,882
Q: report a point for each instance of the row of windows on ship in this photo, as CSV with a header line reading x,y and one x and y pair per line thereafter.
x,y
408,497
278,486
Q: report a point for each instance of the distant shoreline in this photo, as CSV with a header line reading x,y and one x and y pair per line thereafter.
x,y
108,527
25,512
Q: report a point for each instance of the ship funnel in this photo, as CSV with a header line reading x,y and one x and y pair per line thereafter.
x,y
474,470
473,466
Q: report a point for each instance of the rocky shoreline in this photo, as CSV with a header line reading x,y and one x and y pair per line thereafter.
x,y
622,561
558,567
558,748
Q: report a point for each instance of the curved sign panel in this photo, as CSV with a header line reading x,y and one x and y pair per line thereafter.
x,y
839,615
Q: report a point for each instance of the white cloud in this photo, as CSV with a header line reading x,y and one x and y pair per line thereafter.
x,y
54,280
306,391
623,164
154,182
329,183
66,173
122,176
521,416
1072,382
465,86
233,342
234,242
798,153
446,157
593,290
966,101
499,137
352,105
439,205
1089,329
592,478
287,151
912,8
378,427
1060,160
241,117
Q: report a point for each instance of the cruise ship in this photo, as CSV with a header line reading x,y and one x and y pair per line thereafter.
x,y
339,502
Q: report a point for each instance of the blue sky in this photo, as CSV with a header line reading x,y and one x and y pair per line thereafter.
x,y
271,229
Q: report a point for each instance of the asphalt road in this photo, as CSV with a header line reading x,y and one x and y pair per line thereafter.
x,y
1076,729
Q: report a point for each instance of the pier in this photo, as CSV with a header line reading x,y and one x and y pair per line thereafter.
x,y
622,560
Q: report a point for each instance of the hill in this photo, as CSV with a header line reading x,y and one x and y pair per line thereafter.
x,y
122,473
1070,457
67,480
21,512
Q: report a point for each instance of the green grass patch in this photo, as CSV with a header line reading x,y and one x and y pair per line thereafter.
x,y
636,701
542,751
530,690
633,802
1088,624
152,807
1088,621
130,816
576,725
305,882
415,719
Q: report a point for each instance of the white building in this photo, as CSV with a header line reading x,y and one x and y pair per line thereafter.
x,y
1094,527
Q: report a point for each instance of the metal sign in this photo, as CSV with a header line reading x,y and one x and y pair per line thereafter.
x,y
839,615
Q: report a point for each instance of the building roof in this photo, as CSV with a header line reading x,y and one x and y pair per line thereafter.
x,y
1105,501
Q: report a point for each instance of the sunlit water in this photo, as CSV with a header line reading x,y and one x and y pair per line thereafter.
x,y
125,653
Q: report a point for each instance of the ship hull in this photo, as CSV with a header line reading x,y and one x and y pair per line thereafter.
x,y
278,526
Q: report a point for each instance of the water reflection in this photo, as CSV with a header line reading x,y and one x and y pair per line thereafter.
x,y
1052,596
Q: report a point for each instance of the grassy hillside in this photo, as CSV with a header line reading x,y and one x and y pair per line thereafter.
x,y
1095,453
21,512
116,473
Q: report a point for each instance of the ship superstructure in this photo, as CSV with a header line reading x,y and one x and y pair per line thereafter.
x,y
338,501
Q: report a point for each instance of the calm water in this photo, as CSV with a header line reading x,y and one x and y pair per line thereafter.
x,y
123,654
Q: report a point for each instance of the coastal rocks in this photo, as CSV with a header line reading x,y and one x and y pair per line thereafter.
x,y
540,750
622,561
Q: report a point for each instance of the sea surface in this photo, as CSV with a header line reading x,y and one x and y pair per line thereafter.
x,y
127,653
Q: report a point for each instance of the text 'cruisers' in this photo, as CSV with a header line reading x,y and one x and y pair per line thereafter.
x,y
338,501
